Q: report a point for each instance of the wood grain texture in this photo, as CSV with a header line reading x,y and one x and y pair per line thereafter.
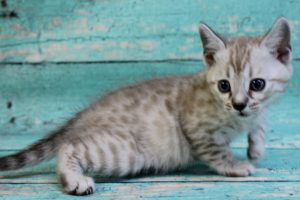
x,y
190,191
60,31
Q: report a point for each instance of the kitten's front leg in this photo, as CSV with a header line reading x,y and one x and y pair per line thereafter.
x,y
256,143
220,158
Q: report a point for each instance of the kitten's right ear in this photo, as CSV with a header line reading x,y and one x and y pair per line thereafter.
x,y
211,43
278,40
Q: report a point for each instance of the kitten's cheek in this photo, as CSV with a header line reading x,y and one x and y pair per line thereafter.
x,y
260,97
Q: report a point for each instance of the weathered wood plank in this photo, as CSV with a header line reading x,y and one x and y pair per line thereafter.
x,y
163,190
278,165
52,30
37,98
274,140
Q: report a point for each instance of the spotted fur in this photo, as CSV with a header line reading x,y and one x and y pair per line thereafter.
x,y
165,124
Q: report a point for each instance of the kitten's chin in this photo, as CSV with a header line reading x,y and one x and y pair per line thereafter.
x,y
243,114
246,115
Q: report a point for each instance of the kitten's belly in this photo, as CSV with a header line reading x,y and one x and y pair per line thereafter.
x,y
171,155
166,148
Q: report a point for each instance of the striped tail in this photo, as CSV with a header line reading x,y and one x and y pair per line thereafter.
x,y
37,152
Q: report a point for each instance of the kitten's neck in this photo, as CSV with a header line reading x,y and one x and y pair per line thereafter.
x,y
195,98
197,94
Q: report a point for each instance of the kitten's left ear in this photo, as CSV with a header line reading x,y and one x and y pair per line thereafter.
x,y
278,40
211,43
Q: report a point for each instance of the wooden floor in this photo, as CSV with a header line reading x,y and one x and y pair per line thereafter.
x,y
41,102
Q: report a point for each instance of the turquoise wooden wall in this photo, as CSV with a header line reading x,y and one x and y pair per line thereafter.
x,y
58,56
132,30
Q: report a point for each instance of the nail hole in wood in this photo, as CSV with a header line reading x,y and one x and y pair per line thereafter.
x,y
9,104
12,120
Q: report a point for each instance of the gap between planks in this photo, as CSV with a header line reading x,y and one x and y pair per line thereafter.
x,y
112,62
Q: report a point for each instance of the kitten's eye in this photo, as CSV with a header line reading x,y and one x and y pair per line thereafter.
x,y
257,84
224,86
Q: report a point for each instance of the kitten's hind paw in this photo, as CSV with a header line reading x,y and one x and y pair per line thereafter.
x,y
79,185
238,169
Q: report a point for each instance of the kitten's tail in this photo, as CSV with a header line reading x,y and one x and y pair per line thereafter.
x,y
37,152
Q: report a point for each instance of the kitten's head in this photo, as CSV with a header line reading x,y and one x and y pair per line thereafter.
x,y
247,74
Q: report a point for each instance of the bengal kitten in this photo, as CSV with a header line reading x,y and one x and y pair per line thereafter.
x,y
168,123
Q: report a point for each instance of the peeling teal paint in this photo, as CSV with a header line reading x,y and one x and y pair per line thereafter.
x,y
58,31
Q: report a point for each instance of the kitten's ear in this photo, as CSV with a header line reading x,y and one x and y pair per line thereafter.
x,y
211,43
278,40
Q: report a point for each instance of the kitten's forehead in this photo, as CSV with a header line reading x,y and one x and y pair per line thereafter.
x,y
239,52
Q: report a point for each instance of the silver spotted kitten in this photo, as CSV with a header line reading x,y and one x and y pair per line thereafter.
x,y
168,123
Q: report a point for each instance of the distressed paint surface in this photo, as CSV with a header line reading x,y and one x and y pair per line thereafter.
x,y
168,190
59,31
86,48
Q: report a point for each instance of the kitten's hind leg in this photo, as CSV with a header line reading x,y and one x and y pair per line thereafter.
x,y
109,153
69,170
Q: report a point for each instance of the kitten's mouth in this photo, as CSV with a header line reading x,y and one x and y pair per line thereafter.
x,y
243,114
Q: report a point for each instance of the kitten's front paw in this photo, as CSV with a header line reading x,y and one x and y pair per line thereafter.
x,y
255,153
238,169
